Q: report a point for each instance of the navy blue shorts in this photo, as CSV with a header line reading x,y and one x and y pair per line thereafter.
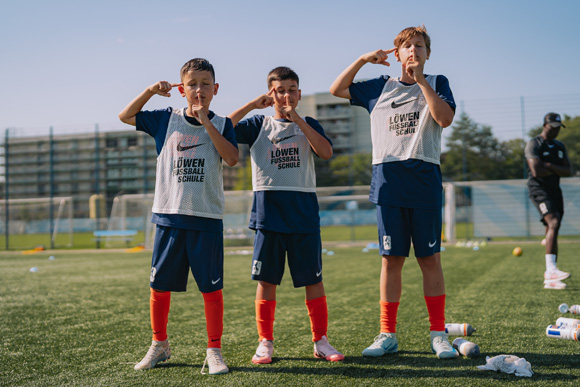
x,y
176,250
398,226
304,257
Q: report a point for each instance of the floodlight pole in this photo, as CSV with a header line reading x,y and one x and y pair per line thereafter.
x,y
6,196
51,176
526,199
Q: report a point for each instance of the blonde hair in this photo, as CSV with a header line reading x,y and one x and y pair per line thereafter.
x,y
411,32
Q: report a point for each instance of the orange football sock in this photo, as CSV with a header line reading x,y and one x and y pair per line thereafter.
x,y
318,313
265,310
389,316
436,309
159,303
214,318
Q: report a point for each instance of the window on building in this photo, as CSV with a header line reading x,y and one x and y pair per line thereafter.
x,y
132,141
111,143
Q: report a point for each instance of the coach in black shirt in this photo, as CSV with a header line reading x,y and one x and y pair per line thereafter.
x,y
547,162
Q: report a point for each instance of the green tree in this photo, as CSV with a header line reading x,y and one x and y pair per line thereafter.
x,y
475,154
355,169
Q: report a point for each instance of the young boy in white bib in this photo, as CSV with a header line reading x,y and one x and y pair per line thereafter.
x,y
407,117
285,208
188,205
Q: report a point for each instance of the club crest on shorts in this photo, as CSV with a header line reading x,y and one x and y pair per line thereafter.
x,y
256,267
560,154
543,208
153,272
386,242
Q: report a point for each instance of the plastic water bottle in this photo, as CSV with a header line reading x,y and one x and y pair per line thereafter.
x,y
465,347
567,322
574,309
459,329
564,333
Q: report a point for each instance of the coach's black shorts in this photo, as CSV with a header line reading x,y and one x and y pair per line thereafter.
x,y
547,203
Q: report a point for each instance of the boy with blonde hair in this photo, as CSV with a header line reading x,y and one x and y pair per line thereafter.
x,y
285,208
188,205
407,117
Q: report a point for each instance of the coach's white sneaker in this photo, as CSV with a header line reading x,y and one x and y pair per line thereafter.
x,y
264,352
215,362
323,350
554,284
555,274
384,343
441,347
158,351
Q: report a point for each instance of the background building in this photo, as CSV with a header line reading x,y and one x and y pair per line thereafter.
x,y
347,126
81,165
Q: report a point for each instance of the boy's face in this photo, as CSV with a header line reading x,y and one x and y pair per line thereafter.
x,y
198,88
286,92
412,50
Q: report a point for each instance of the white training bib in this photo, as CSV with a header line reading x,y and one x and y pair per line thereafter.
x,y
402,126
282,159
189,170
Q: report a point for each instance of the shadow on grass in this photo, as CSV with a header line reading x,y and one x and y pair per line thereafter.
x,y
417,365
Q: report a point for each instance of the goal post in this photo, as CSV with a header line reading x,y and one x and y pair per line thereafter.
x,y
28,222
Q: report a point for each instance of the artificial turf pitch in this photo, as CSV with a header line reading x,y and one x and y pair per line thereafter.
x,y
83,319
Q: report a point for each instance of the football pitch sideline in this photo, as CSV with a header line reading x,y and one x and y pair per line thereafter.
x,y
82,319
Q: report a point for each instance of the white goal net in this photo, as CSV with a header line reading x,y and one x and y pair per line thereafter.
x,y
133,212
34,221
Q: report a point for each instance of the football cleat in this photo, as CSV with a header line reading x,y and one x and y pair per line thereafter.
x,y
323,350
384,343
555,275
215,362
554,284
441,347
264,352
158,351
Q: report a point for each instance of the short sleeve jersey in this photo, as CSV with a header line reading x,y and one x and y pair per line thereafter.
x,y
551,151
183,162
283,177
406,141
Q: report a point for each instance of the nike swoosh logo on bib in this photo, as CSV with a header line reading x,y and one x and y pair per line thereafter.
x,y
277,140
184,148
396,105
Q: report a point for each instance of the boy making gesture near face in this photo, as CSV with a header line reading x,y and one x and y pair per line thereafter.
x,y
285,208
407,117
188,205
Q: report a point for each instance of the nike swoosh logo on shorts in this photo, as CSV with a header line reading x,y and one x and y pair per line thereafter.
x,y
318,274
432,244
184,148
216,281
395,105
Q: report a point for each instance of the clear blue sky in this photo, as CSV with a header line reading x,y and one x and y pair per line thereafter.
x,y
71,64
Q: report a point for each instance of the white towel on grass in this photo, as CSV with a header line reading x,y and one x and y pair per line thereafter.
x,y
509,364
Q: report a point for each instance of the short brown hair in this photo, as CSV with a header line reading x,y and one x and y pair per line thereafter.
x,y
282,73
411,32
197,64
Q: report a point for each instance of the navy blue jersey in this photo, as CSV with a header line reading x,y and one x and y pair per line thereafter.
x,y
409,183
155,124
280,211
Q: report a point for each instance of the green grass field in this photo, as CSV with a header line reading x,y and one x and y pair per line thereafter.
x,y
83,319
